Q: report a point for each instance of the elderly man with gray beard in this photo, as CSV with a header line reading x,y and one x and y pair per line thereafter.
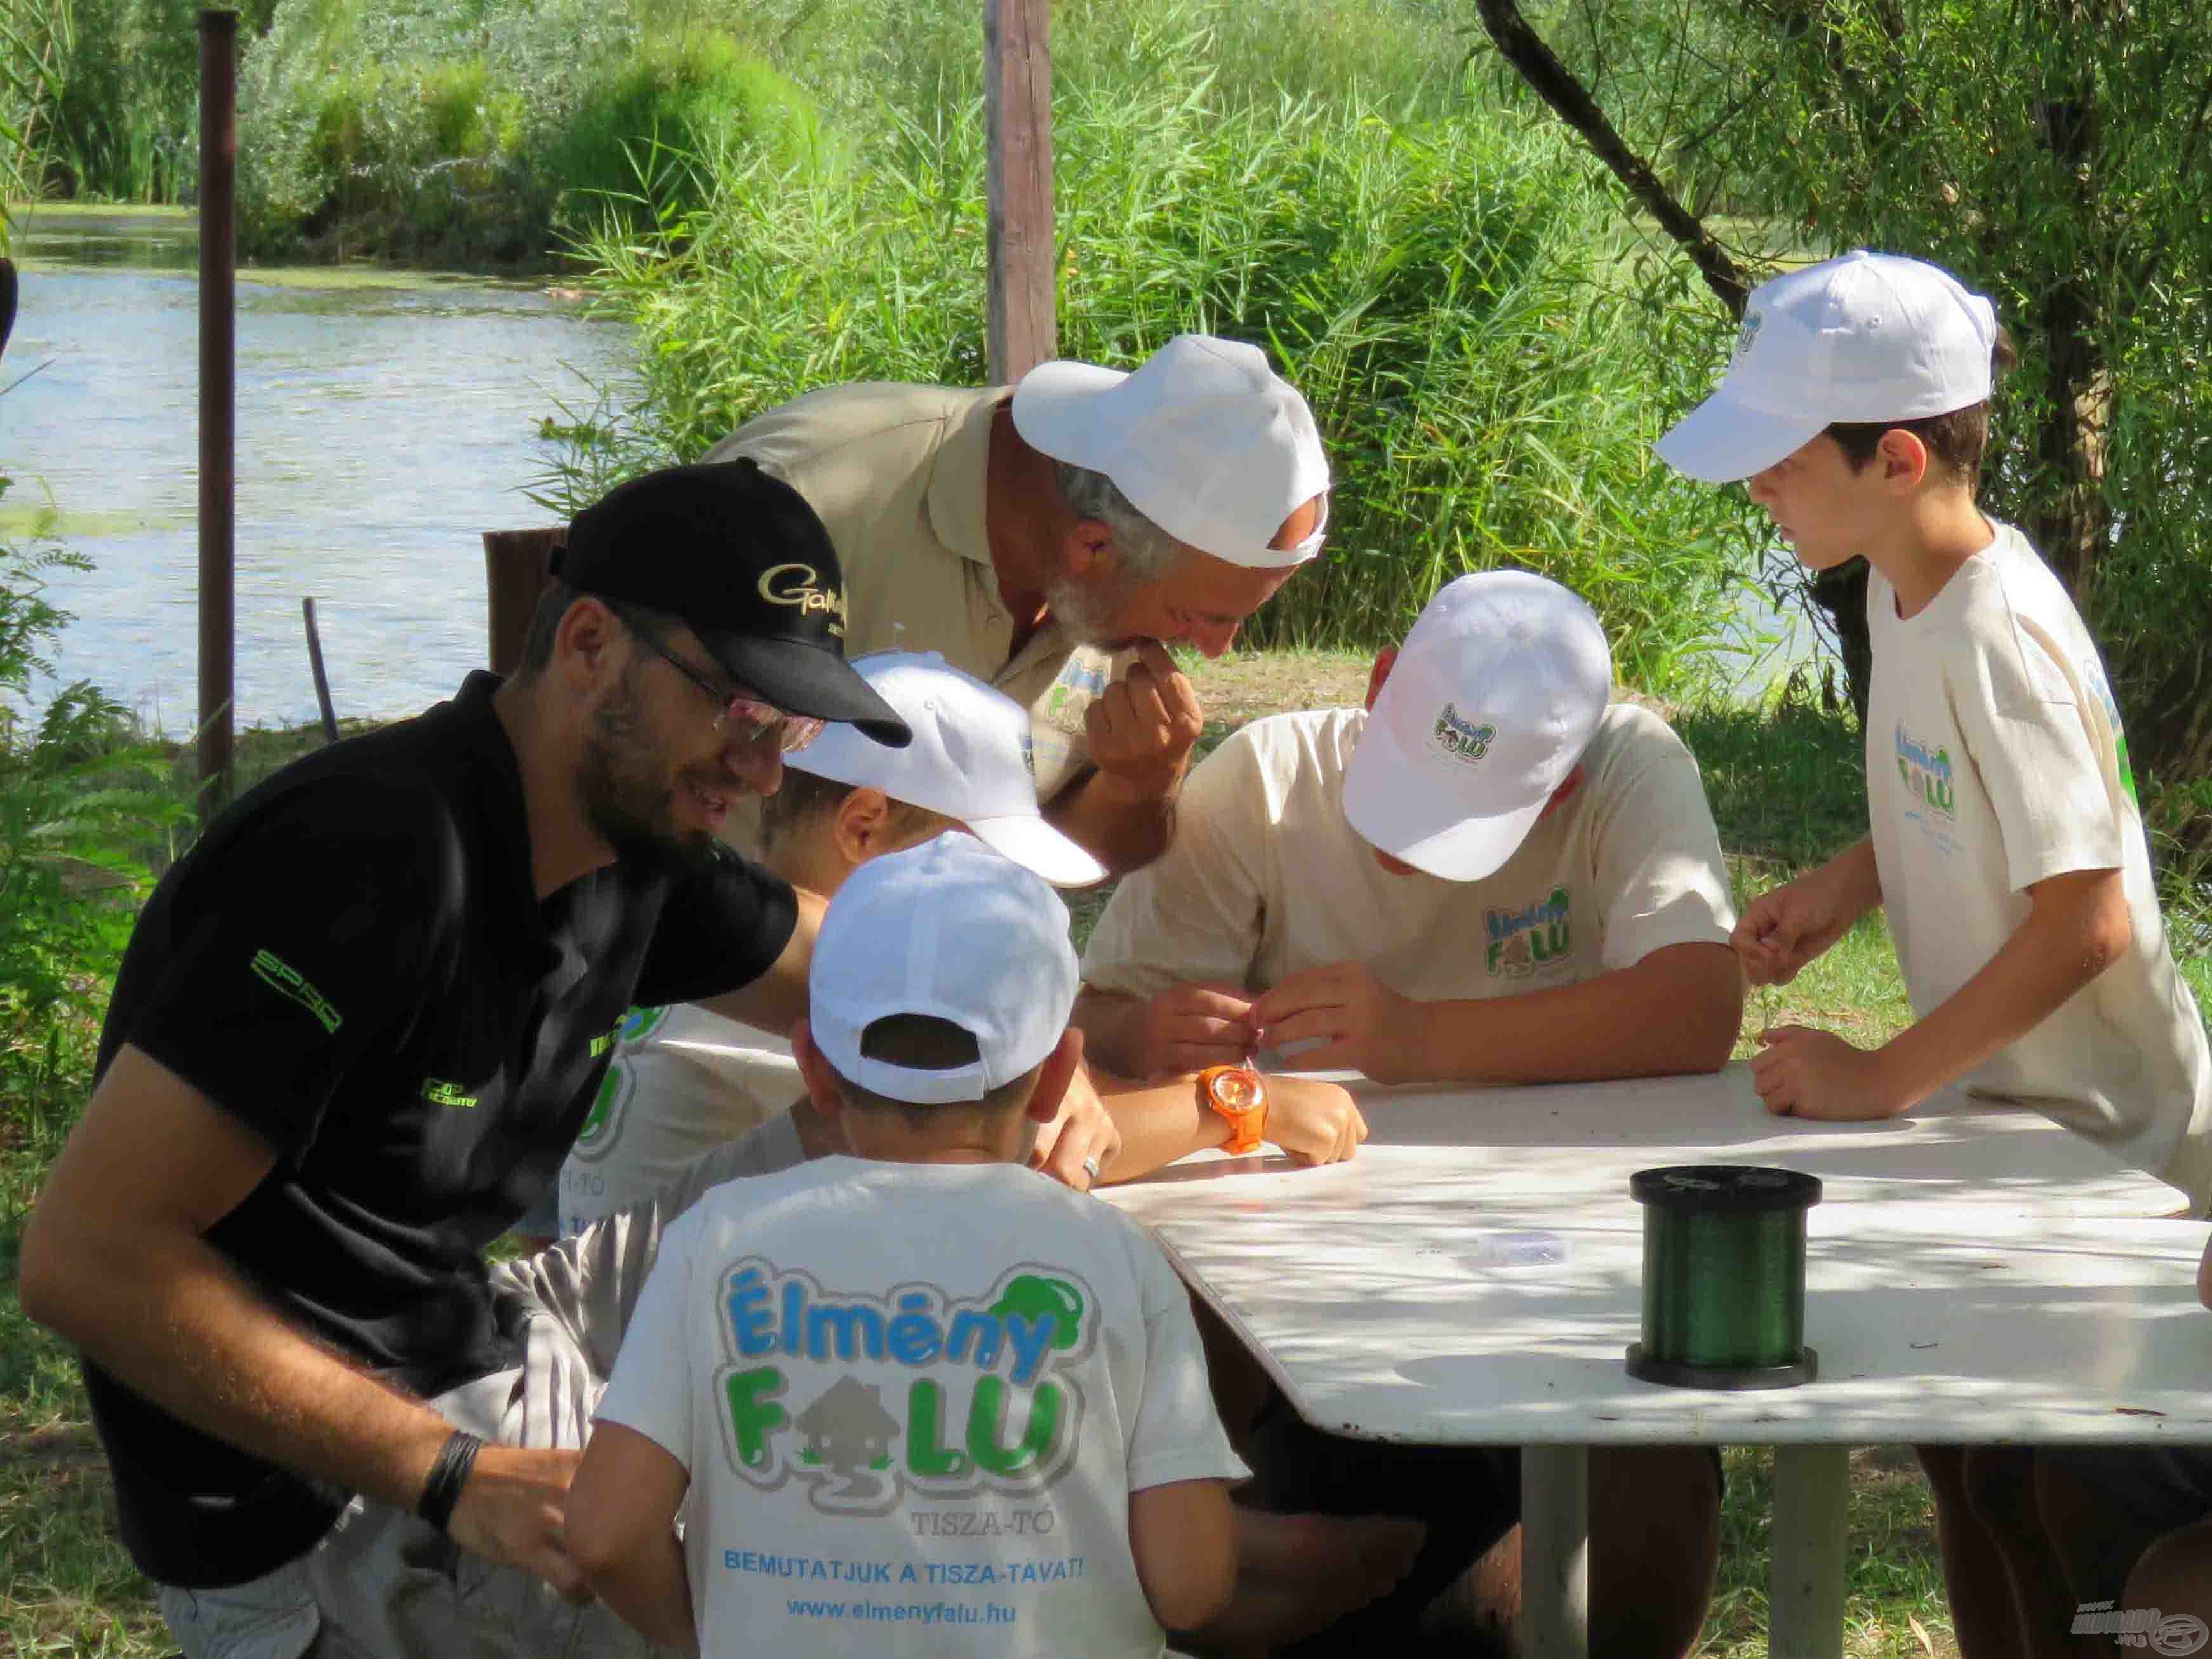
x,y
1048,537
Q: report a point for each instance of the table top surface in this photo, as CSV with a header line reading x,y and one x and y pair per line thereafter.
x,y
1975,1274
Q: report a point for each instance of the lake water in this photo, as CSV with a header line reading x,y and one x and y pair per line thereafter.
x,y
384,419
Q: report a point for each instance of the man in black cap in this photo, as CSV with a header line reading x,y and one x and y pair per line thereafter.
x,y
355,1031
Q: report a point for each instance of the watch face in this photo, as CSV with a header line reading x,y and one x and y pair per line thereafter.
x,y
1239,1090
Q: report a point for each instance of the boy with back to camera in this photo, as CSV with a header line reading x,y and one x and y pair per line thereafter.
x,y
2006,846
917,1395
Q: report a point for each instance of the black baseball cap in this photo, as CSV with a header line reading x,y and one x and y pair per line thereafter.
x,y
743,560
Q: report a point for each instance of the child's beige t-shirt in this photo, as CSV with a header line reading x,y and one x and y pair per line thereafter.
x,y
1266,878
1995,758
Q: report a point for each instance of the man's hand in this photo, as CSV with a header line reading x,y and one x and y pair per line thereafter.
x,y
1803,1072
1081,1137
1187,1027
510,1512
1362,1023
1786,926
1141,730
1313,1121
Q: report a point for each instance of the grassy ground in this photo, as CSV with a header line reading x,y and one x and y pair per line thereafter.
x,y
1786,790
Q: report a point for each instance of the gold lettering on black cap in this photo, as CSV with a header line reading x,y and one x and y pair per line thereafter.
x,y
801,585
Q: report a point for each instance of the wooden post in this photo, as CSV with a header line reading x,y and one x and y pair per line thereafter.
x,y
514,575
1018,130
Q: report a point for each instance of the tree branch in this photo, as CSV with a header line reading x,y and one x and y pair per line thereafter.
x,y
1556,84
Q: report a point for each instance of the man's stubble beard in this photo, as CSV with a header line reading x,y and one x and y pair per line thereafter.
x,y
1084,610
628,796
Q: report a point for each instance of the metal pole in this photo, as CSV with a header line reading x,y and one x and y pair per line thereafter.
x,y
218,398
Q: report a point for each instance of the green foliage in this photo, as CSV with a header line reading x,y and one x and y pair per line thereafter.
x,y
630,152
80,806
37,41
126,125
1435,285
466,133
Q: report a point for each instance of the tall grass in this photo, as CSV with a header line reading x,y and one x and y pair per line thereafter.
x,y
1431,283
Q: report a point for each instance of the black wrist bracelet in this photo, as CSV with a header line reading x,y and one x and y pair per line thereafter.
x,y
447,1476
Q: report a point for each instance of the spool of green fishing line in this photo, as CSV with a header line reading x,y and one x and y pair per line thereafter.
x,y
1724,1276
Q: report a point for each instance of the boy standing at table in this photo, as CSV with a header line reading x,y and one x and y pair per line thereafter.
x,y
997,1432
2006,846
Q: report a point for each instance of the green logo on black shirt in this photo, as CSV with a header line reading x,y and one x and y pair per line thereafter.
x,y
439,1092
285,980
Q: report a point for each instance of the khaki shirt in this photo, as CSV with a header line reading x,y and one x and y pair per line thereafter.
x,y
1266,878
897,474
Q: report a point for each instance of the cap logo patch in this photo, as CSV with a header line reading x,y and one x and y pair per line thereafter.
x,y
1753,321
800,585
1462,738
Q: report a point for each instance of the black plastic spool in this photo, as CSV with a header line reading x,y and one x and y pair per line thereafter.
x,y
1723,1277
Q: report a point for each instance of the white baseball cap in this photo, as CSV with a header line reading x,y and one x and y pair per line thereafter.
x,y
968,760
950,929
1494,696
1204,439
1865,338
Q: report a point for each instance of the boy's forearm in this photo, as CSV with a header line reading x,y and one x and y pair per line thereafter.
x,y
649,1586
1677,1011
2069,936
1159,1123
1112,1026
1854,879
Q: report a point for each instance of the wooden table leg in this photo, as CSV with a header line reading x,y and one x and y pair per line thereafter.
x,y
1805,1586
1555,1552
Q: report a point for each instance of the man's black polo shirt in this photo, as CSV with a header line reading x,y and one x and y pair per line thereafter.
x,y
353,962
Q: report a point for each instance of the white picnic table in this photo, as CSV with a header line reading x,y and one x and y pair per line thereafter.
x,y
1975,1274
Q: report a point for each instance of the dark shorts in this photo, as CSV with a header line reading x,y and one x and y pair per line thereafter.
x,y
2162,1486
1468,1495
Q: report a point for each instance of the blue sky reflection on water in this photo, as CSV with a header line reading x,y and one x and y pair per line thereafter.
x,y
380,428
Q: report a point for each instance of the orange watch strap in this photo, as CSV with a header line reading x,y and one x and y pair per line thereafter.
x,y
1247,1123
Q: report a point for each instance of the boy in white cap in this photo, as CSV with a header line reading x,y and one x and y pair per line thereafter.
x,y
683,1082
1046,536
1490,874
2006,850
916,1398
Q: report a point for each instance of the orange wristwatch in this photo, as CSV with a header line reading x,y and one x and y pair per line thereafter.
x,y
1239,1094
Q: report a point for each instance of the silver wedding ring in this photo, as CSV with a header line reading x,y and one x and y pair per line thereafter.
x,y
1091,1168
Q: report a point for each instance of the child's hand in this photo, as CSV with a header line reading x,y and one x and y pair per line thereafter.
x,y
1187,1027
1363,1023
1313,1121
1785,927
1807,1073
